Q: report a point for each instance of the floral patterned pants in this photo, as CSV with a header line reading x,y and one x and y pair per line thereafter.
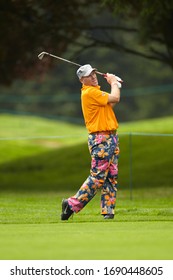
x,y
104,150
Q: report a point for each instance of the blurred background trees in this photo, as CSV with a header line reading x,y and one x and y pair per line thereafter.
x,y
132,39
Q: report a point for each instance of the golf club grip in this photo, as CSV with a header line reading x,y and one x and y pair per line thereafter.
x,y
104,75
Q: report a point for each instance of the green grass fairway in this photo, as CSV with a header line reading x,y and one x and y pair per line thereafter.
x,y
30,228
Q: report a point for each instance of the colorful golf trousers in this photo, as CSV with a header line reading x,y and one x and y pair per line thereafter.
x,y
104,150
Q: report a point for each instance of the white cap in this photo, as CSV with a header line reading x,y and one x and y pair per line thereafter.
x,y
85,70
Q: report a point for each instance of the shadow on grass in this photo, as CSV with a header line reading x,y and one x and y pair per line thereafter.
x,y
67,168
57,170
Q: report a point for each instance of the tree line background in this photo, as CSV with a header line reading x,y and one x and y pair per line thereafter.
x,y
132,40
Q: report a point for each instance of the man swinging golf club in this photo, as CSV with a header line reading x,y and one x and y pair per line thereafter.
x,y
101,123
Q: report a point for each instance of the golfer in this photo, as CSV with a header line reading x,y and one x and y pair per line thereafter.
x,y
102,125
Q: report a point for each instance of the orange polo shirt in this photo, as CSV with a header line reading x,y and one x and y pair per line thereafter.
x,y
98,113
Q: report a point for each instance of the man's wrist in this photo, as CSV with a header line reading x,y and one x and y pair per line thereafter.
x,y
114,84
118,84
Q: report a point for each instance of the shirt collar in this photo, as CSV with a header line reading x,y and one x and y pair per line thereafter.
x,y
85,87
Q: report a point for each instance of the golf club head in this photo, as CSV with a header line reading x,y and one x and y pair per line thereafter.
x,y
41,55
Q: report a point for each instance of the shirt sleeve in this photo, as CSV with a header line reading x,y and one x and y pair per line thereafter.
x,y
99,97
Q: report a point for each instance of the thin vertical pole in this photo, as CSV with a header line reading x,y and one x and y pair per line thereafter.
x,y
130,166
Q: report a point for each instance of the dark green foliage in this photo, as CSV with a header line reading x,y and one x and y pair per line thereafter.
x,y
151,21
28,27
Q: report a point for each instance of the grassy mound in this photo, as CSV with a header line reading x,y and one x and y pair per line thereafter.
x,y
38,154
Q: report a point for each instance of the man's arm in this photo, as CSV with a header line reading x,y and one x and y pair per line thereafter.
x,y
114,96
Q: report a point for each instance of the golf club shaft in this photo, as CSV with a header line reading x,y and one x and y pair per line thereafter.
x,y
41,55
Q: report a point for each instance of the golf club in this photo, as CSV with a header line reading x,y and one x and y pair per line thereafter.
x,y
42,54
